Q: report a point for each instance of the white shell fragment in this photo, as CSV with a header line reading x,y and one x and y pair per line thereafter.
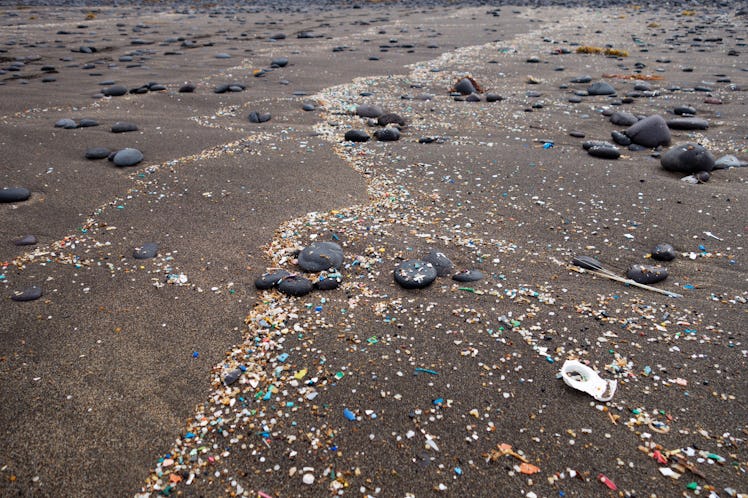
x,y
583,378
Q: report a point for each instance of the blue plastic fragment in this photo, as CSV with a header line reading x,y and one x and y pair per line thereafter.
x,y
438,401
349,414
195,354
189,435
283,357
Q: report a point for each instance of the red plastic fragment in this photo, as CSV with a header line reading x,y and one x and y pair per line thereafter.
x,y
605,480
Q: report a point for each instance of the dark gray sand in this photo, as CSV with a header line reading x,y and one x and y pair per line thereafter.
x,y
171,374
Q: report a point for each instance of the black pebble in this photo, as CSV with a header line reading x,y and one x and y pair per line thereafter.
x,y
647,274
27,294
97,153
604,152
295,285
327,283
232,376
356,136
414,274
663,252
387,134
124,127
440,262
16,194
26,240
146,251
87,123
390,118
257,117
270,279
468,276
465,86
115,91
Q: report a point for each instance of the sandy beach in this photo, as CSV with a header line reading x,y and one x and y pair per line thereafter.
x,y
159,158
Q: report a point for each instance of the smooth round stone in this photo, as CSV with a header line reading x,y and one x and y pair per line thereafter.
x,y
295,285
356,136
232,376
647,274
729,161
28,294
493,97
26,240
115,91
97,153
465,276
604,152
388,134
156,87
321,256
440,262
684,109
258,117
390,118
623,118
577,134
650,132
124,127
15,194
588,144
414,274
279,62
87,123
687,158
663,252
223,88
127,157
327,283
66,123
465,86
601,88
688,124
369,111
582,79
308,106
223,55
188,88
620,138
473,97
146,251
270,279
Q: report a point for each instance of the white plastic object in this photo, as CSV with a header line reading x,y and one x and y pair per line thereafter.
x,y
583,378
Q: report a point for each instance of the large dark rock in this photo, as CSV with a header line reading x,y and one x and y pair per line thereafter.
x,y
687,158
321,256
369,111
601,88
414,274
127,157
650,132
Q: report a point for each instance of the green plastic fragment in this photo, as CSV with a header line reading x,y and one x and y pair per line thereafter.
x,y
426,370
692,485
466,289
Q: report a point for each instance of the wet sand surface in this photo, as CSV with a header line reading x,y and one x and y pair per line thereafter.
x,y
174,375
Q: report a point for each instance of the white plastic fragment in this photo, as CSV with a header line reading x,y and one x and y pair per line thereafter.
x,y
581,377
668,472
